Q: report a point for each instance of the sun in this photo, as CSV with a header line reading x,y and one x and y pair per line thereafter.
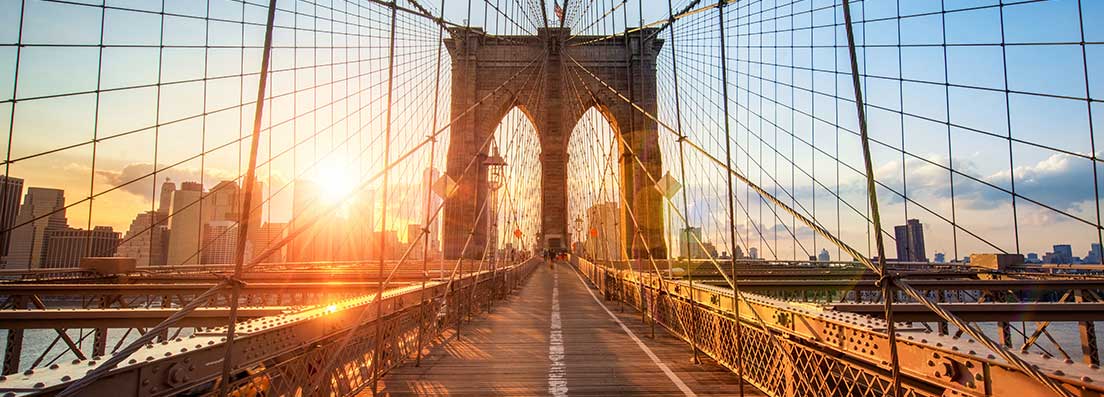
x,y
335,182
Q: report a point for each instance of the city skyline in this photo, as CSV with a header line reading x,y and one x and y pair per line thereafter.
x,y
191,225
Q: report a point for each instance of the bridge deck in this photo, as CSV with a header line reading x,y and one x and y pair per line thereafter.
x,y
514,351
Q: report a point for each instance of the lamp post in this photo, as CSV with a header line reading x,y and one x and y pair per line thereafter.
x,y
495,178
578,235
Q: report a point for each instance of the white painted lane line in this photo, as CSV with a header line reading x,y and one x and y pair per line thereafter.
x,y
557,372
667,371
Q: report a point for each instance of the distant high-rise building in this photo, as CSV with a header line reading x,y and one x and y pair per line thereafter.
x,y
305,208
689,239
429,176
147,239
267,237
753,253
186,225
65,247
738,253
940,257
824,256
1062,254
11,189
710,250
1094,254
43,211
225,202
603,235
193,210
910,241
220,243
165,199
391,243
1033,258
356,229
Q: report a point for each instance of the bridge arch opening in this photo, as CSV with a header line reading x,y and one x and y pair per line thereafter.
x,y
594,185
515,190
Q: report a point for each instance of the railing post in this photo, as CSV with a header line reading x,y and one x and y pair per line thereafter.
x,y
13,351
1087,329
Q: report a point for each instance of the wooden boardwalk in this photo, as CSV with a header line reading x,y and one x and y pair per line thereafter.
x,y
528,347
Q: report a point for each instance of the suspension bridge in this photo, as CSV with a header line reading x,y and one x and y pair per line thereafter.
x,y
524,197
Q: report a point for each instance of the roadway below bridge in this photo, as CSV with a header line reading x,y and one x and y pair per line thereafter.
x,y
556,337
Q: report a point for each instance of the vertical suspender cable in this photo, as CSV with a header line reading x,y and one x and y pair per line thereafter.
x,y
377,354
640,66
886,280
692,332
731,197
243,222
429,182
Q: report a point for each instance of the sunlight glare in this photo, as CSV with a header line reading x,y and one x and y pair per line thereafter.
x,y
335,181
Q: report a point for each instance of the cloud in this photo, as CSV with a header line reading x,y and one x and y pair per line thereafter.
x,y
142,174
1061,181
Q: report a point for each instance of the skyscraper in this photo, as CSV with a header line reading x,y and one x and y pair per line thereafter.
x,y
185,225
224,203
1094,254
268,236
220,243
429,176
146,240
689,240
910,241
824,256
43,211
603,237
165,200
1063,254
304,208
10,190
65,247
359,225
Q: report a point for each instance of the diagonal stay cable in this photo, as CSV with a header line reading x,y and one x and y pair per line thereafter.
x,y
774,337
921,298
201,299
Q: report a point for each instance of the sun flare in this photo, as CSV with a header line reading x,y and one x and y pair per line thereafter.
x,y
335,181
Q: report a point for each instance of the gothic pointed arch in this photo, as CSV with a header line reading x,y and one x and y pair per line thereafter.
x,y
538,74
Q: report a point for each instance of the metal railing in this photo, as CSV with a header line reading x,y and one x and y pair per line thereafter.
x,y
320,350
791,349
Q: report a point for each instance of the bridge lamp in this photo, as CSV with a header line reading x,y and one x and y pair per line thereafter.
x,y
495,179
578,230
495,166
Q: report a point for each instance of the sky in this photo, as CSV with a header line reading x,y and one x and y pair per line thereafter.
x,y
930,107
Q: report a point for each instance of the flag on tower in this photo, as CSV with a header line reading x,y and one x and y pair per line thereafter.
x,y
559,10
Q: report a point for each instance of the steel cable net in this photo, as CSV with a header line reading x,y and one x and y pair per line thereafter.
x,y
982,132
129,127
594,184
517,186
981,125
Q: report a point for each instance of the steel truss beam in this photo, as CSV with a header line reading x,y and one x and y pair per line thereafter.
x,y
280,354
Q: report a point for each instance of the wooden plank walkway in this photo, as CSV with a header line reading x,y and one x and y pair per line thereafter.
x,y
527,347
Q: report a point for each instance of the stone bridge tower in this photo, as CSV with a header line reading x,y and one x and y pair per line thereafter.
x,y
554,93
